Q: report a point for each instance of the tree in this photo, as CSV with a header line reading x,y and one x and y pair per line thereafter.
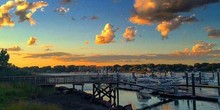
x,y
4,57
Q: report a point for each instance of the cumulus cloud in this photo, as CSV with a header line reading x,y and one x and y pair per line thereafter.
x,y
147,12
166,26
5,17
62,10
107,35
24,11
212,32
201,48
130,33
32,41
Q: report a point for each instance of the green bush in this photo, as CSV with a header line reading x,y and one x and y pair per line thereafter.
x,y
11,92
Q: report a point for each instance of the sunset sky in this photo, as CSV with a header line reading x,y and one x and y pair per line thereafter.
x,y
108,32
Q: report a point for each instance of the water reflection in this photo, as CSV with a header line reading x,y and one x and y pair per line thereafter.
x,y
138,101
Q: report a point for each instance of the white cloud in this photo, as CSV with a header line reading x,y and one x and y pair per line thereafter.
x,y
62,10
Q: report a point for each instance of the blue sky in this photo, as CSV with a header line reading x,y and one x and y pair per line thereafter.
x,y
68,31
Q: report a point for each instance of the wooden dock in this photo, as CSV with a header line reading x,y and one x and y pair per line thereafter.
x,y
171,92
67,79
109,90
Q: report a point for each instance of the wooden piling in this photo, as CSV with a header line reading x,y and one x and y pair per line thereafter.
x,y
200,78
194,104
117,90
218,81
187,82
193,85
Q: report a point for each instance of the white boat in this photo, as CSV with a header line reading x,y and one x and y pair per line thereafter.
x,y
146,91
143,98
147,81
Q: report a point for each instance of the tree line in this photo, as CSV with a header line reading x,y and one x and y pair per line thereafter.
x,y
10,69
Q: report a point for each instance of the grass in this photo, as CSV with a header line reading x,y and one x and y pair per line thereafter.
x,y
22,105
14,96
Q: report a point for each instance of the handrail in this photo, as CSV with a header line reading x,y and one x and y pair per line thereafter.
x,y
52,80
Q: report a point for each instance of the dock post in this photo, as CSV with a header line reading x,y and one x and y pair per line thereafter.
x,y
193,85
82,87
194,104
117,91
187,82
73,86
176,102
200,77
213,75
218,81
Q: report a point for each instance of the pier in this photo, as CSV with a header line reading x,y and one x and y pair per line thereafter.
x,y
103,85
109,85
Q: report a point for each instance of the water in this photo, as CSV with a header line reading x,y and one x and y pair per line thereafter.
x,y
129,97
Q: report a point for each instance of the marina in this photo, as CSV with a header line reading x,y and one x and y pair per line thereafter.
x,y
157,92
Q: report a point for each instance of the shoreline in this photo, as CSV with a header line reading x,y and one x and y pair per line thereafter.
x,y
71,99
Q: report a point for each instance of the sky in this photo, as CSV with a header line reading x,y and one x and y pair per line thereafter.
x,y
108,32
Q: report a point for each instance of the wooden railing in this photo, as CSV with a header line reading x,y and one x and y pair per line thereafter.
x,y
52,80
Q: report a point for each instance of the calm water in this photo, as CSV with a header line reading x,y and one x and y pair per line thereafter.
x,y
129,97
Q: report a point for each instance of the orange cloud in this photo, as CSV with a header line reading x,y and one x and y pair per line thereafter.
x,y
202,47
130,33
106,36
32,41
14,48
86,42
166,26
5,17
164,12
24,10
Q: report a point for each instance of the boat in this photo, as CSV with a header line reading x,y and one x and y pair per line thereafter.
x,y
147,81
143,97
144,94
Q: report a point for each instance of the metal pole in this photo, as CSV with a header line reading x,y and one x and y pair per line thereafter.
x,y
187,82
194,104
200,78
117,88
193,85
218,82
